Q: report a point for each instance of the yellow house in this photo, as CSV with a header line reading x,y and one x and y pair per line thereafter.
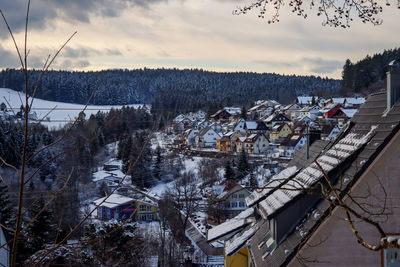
x,y
145,212
236,253
280,131
240,259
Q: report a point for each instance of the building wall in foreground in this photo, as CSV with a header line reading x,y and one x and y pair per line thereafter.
x,y
337,246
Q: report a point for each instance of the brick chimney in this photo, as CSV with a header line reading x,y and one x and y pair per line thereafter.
x,y
393,83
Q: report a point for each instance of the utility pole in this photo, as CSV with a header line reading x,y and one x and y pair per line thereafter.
x,y
308,139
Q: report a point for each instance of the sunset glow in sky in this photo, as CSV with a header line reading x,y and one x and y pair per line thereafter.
x,y
188,34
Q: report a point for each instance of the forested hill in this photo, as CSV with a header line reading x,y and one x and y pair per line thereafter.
x,y
140,86
358,77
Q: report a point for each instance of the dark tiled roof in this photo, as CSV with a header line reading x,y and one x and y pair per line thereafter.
x,y
370,114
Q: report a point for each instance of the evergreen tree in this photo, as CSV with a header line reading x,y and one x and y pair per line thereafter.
x,y
158,164
141,174
41,230
347,75
253,181
243,167
126,151
243,114
6,211
229,171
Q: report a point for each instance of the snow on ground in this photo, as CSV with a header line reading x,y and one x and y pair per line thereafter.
x,y
158,190
191,164
160,139
100,175
61,115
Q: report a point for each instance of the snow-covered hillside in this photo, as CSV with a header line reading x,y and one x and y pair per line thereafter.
x,y
62,113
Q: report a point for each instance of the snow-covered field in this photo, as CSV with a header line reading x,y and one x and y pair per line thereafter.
x,y
63,112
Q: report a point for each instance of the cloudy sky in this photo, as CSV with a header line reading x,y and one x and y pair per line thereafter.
x,y
187,34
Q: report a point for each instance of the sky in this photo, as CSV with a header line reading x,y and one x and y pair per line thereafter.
x,y
187,34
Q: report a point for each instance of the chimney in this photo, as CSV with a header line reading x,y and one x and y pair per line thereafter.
x,y
393,83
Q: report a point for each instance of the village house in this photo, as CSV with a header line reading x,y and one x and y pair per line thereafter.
x,y
256,144
207,137
231,197
283,225
292,111
291,145
115,207
225,114
278,118
253,127
240,143
227,142
347,102
310,111
329,132
121,207
146,211
329,110
307,100
279,131
190,135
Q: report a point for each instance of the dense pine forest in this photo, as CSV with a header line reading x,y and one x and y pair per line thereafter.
x,y
194,86
368,72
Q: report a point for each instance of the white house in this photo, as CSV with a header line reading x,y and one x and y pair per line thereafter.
x,y
256,144
239,127
310,111
190,135
4,250
207,137
291,145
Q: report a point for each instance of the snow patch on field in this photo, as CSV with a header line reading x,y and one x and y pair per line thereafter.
x,y
62,114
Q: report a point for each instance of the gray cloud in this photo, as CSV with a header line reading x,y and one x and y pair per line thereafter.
x,y
43,12
74,64
8,59
83,52
313,64
322,66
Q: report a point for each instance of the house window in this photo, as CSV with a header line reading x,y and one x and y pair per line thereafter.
x,y
142,217
148,208
391,256
143,208
234,196
234,204
241,195
150,217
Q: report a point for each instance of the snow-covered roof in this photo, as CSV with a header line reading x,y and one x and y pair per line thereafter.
x,y
349,112
349,100
113,201
355,100
241,220
303,100
275,181
242,139
233,110
238,241
251,125
308,176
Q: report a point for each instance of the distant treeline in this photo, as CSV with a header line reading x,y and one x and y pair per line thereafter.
x,y
358,77
169,89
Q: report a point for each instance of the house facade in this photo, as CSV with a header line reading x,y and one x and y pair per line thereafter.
x,y
4,249
256,144
279,131
145,211
207,137
121,208
232,198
